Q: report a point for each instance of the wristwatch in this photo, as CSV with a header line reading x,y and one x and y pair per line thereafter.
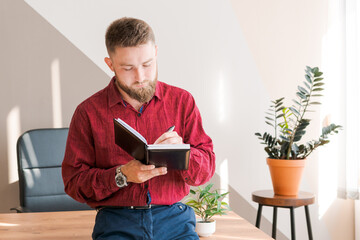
x,y
120,178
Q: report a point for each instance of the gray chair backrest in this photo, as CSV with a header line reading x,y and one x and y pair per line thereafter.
x,y
40,153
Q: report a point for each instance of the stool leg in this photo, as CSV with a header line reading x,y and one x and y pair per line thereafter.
x,y
274,223
258,216
308,223
292,221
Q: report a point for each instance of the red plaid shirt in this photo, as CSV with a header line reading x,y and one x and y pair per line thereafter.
x,y
92,156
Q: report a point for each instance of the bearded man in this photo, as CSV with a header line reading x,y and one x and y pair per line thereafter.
x,y
133,200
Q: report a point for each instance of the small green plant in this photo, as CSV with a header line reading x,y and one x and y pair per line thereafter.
x,y
207,203
289,123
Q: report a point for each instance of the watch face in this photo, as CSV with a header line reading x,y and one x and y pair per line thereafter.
x,y
120,180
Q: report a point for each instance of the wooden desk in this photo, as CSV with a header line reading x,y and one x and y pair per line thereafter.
x,y
79,225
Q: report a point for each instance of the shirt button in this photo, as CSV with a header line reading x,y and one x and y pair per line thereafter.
x,y
186,179
139,114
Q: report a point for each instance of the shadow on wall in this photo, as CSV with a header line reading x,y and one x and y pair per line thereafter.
x,y
242,207
41,74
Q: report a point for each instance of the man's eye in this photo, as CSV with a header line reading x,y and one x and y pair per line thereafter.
x,y
147,64
127,69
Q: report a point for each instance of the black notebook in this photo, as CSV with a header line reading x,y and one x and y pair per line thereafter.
x,y
172,156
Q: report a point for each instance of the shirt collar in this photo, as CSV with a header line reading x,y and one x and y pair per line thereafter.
x,y
115,96
158,90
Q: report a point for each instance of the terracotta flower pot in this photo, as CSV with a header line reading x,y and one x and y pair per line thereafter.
x,y
286,175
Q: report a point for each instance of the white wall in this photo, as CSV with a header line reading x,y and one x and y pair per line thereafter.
x,y
233,56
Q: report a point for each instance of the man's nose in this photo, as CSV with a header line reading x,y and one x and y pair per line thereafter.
x,y
140,75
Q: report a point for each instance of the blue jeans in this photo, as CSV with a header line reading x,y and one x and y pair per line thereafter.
x,y
176,221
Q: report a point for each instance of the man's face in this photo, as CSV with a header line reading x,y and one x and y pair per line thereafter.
x,y
135,70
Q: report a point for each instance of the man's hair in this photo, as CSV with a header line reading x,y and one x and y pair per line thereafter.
x,y
128,32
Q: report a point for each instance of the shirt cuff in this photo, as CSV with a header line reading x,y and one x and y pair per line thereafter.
x,y
193,166
110,179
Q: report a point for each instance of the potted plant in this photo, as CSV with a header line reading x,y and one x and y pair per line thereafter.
x,y
206,204
286,156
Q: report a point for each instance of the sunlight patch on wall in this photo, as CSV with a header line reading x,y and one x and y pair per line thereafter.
x,y
31,152
332,44
224,178
328,180
13,133
328,161
56,93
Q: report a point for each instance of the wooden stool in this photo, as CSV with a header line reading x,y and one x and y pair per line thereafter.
x,y
268,198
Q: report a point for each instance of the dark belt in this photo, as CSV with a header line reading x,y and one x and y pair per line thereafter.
x,y
131,207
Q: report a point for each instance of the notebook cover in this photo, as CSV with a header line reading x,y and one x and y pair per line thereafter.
x,y
129,142
170,158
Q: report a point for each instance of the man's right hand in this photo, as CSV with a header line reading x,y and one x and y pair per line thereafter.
x,y
137,172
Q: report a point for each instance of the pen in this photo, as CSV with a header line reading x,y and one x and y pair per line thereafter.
x,y
171,129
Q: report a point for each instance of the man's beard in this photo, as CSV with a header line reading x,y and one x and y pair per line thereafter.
x,y
143,94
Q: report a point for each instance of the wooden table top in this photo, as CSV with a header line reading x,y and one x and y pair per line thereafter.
x,y
79,225
267,197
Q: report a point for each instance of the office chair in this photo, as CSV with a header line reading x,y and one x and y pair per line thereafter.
x,y
40,153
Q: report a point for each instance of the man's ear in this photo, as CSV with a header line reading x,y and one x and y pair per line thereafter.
x,y
109,63
156,49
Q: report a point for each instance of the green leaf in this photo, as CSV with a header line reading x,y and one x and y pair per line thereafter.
x,y
278,104
307,85
303,90
318,79
279,109
295,148
298,136
315,103
193,192
308,69
279,100
317,89
300,133
294,111
319,84
269,118
207,188
269,123
308,78
318,74
302,125
296,102
224,194
284,138
302,96
192,202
